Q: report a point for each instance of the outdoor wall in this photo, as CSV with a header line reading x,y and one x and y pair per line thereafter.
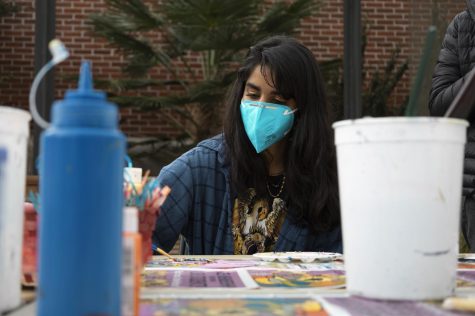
x,y
390,23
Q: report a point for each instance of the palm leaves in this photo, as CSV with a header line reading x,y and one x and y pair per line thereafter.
x,y
176,35
7,8
377,90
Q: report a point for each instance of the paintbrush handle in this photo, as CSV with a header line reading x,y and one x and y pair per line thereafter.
x,y
462,104
164,253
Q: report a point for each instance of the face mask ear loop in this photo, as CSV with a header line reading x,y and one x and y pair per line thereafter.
x,y
59,53
287,112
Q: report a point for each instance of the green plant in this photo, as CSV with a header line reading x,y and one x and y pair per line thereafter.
x,y
381,85
377,90
7,8
463,247
214,34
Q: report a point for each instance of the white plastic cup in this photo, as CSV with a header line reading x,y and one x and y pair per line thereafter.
x,y
14,131
400,182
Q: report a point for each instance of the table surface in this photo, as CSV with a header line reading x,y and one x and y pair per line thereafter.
x,y
233,293
29,307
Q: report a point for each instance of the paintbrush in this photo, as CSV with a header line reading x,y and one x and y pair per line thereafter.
x,y
164,253
461,106
145,178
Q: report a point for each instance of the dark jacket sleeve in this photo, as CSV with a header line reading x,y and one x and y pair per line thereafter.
x,y
174,213
447,78
469,163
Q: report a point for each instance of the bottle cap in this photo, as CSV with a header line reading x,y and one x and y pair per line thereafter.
x,y
58,51
85,107
131,219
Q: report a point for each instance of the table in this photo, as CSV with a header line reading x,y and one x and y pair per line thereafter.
x,y
239,292
333,299
282,299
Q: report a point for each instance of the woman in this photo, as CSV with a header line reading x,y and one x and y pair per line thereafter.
x,y
268,183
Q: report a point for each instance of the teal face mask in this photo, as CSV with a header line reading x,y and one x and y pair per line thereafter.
x,y
266,123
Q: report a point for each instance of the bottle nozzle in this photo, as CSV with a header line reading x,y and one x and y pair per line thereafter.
x,y
85,84
58,51
85,77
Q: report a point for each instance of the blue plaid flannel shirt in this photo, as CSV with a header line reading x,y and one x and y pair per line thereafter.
x,y
200,207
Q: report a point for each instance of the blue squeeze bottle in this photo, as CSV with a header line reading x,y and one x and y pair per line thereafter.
x,y
81,185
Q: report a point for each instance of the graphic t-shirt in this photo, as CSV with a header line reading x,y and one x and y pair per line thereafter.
x,y
257,220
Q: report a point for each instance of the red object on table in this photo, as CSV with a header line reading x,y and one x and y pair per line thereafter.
x,y
30,245
147,219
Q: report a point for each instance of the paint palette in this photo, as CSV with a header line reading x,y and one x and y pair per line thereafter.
x,y
298,256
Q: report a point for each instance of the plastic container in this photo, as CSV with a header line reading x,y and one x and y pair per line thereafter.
x,y
14,132
81,202
400,182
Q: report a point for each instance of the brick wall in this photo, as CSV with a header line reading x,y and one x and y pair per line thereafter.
x,y
391,24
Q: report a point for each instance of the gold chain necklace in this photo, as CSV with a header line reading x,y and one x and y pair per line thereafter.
x,y
282,185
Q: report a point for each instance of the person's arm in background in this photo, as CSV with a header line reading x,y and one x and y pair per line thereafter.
x,y
174,213
447,78
447,81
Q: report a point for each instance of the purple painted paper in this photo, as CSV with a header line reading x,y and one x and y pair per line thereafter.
x,y
466,275
192,279
359,306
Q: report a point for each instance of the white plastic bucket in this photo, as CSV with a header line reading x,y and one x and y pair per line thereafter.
x,y
14,131
400,182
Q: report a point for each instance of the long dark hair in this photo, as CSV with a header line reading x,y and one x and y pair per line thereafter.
x,y
310,166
